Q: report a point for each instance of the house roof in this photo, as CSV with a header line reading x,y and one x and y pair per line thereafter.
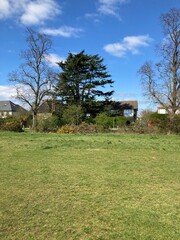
x,y
121,105
48,106
8,106
45,107
129,104
163,107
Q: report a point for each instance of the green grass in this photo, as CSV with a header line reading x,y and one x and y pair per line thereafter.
x,y
104,186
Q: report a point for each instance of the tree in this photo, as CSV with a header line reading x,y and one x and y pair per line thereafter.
x,y
34,78
82,78
161,82
72,114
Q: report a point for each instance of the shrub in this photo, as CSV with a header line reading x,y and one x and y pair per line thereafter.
x,y
25,118
1,123
145,116
11,124
159,120
166,123
49,124
161,123
174,124
81,128
86,128
72,114
89,120
66,129
103,121
121,121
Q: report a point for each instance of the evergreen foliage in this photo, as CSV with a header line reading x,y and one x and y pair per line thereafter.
x,y
82,78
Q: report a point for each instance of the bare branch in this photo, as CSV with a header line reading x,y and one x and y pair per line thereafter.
x,y
161,82
34,76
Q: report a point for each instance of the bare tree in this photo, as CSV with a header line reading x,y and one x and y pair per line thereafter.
x,y
34,78
161,82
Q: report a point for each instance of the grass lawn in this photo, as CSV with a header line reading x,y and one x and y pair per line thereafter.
x,y
104,186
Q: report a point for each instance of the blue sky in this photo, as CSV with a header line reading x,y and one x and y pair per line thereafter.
x,y
123,32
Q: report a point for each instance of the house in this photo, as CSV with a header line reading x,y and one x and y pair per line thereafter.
x,y
127,109
124,108
48,108
163,110
8,108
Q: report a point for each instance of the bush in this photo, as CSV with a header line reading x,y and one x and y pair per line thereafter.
x,y
103,121
145,116
81,128
49,124
1,123
66,129
10,124
161,123
86,128
159,120
89,120
166,123
174,124
121,121
72,114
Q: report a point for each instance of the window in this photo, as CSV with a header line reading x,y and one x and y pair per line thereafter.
x,y
128,112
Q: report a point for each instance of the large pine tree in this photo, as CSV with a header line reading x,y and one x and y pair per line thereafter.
x,y
82,78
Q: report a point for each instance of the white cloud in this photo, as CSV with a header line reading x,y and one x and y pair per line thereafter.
x,y
38,11
64,31
7,92
110,7
129,44
29,12
4,9
94,16
52,59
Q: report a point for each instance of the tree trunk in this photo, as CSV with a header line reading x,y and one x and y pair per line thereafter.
x,y
34,125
